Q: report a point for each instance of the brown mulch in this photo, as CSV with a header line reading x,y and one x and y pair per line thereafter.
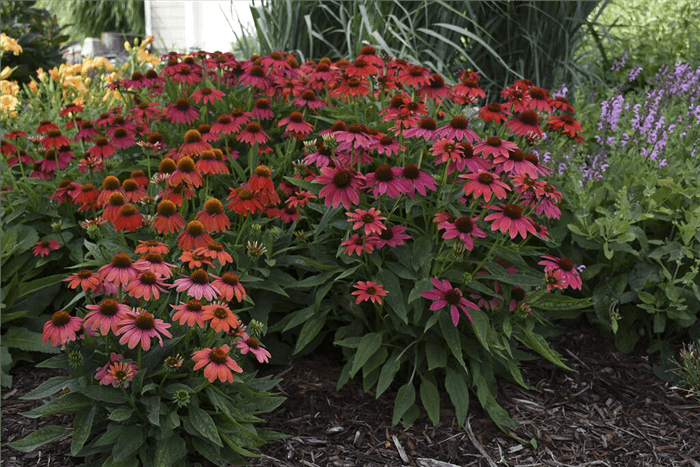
x,y
612,412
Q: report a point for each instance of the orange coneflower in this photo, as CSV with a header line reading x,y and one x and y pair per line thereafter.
x,y
213,216
194,236
167,219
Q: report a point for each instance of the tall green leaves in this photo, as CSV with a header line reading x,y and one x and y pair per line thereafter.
x,y
504,41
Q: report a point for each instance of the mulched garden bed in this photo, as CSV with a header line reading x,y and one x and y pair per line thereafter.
x,y
612,412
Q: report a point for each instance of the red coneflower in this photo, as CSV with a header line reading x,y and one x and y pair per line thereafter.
x,y
350,87
300,199
45,126
435,89
7,148
515,164
105,316
468,89
240,117
388,180
85,279
252,133
566,125
262,110
210,164
387,145
539,100
216,363
139,326
256,77
112,207
296,126
369,291
457,129
102,148
194,236
361,68
562,104
262,185
207,135
122,139
307,99
87,197
61,328
43,248
354,137
66,192
494,112
186,75
54,139
197,285
213,216
426,130
224,124
182,112
420,181
15,133
129,219
243,200
186,173
414,76
110,185
484,184
527,124
132,191
369,219
207,95
494,146
193,145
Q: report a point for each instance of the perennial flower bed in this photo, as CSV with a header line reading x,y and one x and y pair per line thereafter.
x,y
201,207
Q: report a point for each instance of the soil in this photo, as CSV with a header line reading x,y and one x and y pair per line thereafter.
x,y
613,411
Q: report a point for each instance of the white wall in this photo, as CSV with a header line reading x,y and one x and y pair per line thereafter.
x,y
195,24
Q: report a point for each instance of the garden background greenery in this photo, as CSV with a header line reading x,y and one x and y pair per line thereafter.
x,y
292,199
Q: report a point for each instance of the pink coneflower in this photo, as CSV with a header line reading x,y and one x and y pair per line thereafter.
x,y
146,285
568,273
300,199
252,133
122,139
510,220
182,112
426,129
216,363
458,129
354,137
356,245
539,99
215,251
369,219
119,374
484,184
388,180
119,271
527,124
190,313
465,229
421,181
393,237
262,110
154,263
61,328
494,112
146,111
213,216
369,291
207,95
387,145
167,219
469,89
255,76
515,164
240,117
296,125
105,316
207,135
197,285
139,326
250,344
45,126
350,87
448,150
85,279
554,279
443,294
43,248
308,99
230,286
220,317
342,186
494,146
87,131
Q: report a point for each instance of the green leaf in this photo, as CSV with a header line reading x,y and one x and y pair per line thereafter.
x,y
39,284
386,377
121,414
128,443
404,400
208,450
458,391
310,329
539,345
169,451
305,184
83,427
39,438
203,423
48,388
299,316
104,394
481,327
394,297
68,402
430,397
421,286
451,335
23,339
152,404
313,281
435,354
369,344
